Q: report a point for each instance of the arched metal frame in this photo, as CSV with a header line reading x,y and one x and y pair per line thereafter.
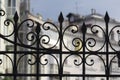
x,y
37,42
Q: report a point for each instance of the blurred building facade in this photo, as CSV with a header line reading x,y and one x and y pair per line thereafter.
x,y
6,28
23,8
69,66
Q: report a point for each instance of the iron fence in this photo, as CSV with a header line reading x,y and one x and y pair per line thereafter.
x,y
34,49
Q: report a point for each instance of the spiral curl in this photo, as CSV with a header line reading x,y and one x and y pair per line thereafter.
x,y
76,42
46,61
117,30
91,42
7,23
45,38
30,61
92,61
29,35
75,61
2,12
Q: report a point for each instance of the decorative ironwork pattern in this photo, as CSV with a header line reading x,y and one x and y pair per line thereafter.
x,y
37,45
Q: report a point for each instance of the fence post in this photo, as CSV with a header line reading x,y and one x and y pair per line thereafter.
x,y
37,45
16,18
106,18
61,19
84,29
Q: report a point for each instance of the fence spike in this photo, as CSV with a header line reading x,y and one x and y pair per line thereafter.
x,y
106,18
38,29
61,18
84,28
16,17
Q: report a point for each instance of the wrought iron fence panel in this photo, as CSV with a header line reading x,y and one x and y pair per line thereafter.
x,y
34,57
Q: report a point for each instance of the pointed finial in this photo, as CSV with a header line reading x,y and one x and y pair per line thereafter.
x,y
16,17
61,18
84,28
106,18
38,28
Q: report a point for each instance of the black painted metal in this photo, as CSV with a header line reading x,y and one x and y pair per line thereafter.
x,y
37,50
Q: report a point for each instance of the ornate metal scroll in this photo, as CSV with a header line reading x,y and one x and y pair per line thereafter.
x,y
53,47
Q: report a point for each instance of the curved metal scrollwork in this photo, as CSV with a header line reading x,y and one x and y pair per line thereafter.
x,y
92,61
115,30
75,44
93,42
45,60
37,44
30,35
30,60
111,61
77,60
45,38
9,24
2,12
2,61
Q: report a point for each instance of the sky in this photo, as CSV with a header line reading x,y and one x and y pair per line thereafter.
x,y
52,8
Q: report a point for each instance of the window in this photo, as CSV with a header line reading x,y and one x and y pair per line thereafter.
x,y
53,69
77,78
9,48
115,67
72,19
114,78
21,36
118,37
9,3
42,69
102,79
54,78
14,3
66,78
13,10
112,35
21,1
90,78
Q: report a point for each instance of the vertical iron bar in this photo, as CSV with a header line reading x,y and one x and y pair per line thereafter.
x,y
107,54
37,45
61,19
107,45
84,45
15,46
15,50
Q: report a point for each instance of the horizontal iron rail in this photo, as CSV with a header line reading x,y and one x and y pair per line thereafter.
x,y
56,52
64,75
